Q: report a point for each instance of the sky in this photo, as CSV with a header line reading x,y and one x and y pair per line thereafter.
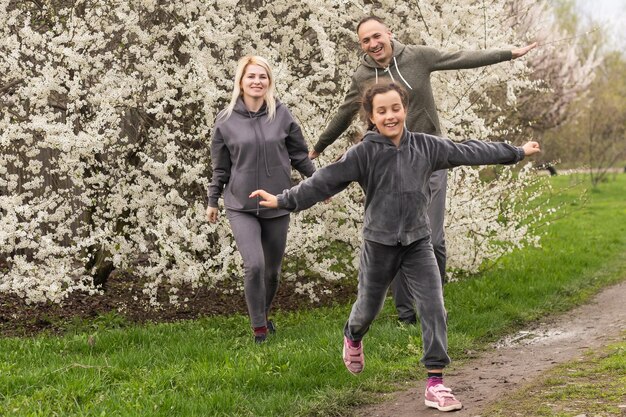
x,y
610,14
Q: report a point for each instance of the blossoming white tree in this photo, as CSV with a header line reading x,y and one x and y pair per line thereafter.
x,y
106,110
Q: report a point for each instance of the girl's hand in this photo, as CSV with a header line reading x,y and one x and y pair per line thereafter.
x,y
531,147
211,214
267,199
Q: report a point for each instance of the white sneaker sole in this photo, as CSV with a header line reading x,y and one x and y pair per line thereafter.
x,y
433,404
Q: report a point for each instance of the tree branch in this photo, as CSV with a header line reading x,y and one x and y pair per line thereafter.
x,y
10,85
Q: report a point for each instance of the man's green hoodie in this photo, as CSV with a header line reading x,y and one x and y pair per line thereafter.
x,y
410,67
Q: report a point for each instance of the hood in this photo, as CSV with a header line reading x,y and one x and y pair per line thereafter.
x,y
374,136
397,47
241,109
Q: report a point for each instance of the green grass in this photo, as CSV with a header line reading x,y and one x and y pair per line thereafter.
x,y
581,251
210,367
593,386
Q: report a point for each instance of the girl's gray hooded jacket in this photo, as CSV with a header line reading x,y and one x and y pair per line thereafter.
x,y
395,180
250,152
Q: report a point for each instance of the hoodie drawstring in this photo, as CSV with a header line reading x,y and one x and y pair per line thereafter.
x,y
391,75
258,134
400,74
267,169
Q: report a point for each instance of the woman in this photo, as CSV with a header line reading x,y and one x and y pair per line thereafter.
x,y
393,166
255,143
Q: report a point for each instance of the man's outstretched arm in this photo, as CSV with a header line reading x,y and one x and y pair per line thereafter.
x,y
340,122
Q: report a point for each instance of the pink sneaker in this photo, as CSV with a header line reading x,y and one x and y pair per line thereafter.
x,y
441,398
353,357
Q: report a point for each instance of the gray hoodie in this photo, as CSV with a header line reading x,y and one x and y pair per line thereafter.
x,y
249,152
410,67
395,180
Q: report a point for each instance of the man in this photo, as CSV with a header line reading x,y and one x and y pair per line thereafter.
x,y
387,60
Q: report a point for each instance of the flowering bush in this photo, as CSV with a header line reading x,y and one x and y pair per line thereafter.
x,y
107,109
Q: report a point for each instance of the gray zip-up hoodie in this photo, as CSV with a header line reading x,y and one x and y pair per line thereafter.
x,y
395,180
410,67
248,152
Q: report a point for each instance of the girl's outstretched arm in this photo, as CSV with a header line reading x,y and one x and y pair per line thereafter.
x,y
324,183
267,199
445,153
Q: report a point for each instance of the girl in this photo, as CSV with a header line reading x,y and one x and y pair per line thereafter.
x,y
393,166
255,143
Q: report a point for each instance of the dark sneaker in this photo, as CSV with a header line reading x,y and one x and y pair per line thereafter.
x,y
441,398
270,327
410,320
260,334
353,357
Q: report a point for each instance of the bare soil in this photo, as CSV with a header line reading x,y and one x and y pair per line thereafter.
x,y
518,359
123,296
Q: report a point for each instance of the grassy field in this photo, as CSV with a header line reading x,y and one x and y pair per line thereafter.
x,y
210,367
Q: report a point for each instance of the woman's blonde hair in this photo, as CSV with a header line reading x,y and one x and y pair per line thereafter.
x,y
243,63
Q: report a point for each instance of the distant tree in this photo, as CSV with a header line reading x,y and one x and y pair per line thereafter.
x,y
605,121
562,69
592,135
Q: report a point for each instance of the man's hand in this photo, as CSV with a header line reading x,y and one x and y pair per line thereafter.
x,y
530,148
267,199
313,154
516,53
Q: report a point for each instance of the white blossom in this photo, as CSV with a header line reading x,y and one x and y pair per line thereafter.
x,y
107,109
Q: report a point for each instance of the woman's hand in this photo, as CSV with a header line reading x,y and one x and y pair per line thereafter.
x,y
531,147
267,199
211,214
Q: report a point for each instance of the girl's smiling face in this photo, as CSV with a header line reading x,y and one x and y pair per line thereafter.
x,y
388,115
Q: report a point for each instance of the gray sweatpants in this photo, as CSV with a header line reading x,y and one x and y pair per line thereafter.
x,y
378,265
261,243
436,214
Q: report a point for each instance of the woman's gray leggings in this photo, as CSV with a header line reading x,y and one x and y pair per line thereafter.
x,y
261,243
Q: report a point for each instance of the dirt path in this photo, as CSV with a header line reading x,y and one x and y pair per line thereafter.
x,y
517,359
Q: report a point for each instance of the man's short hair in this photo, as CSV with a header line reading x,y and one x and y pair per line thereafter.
x,y
367,19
